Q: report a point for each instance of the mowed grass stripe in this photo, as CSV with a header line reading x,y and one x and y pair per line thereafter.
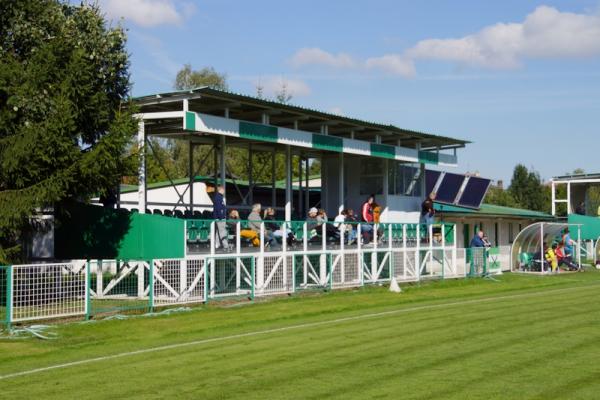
x,y
324,352
270,329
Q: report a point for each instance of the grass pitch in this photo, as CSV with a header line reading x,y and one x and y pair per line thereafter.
x,y
522,337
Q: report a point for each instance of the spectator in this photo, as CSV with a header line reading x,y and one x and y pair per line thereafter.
x,y
564,259
567,242
551,257
277,231
220,215
477,240
580,209
428,210
252,236
254,223
330,231
345,230
486,241
367,218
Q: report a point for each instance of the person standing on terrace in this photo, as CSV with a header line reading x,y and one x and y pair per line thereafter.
x,y
220,215
428,210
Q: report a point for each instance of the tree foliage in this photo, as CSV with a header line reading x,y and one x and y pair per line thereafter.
x,y
187,78
64,132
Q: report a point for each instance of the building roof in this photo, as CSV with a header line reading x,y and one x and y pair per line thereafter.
x,y
577,177
280,184
243,107
491,210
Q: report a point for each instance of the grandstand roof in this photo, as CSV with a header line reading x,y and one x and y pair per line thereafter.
x,y
491,210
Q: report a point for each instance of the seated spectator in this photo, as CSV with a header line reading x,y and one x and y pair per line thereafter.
x,y
330,231
564,259
346,230
551,257
312,223
580,209
252,236
276,230
254,223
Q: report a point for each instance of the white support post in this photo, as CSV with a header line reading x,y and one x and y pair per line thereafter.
x,y
191,174
323,256
212,238
553,186
569,198
542,255
250,193
288,183
418,254
454,250
260,265
222,167
141,139
273,181
99,280
238,238
140,278
305,257
341,204
404,249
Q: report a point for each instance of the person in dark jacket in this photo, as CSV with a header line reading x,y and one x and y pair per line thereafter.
x,y
220,215
477,240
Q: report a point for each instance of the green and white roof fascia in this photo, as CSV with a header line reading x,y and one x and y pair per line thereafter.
x,y
205,123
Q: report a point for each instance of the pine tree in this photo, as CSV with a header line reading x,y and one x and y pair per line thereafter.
x,y
64,127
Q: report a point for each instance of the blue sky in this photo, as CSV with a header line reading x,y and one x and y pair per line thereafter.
x,y
519,78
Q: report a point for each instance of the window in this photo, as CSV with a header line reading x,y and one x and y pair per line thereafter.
x,y
511,234
371,176
404,179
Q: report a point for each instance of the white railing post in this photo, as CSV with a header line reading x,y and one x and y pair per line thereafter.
x,y
418,254
212,238
323,256
404,251
238,237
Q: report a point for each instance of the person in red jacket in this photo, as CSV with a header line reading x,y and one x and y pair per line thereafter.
x,y
366,213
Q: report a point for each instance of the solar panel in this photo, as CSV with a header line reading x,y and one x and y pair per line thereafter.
x,y
474,192
431,178
449,188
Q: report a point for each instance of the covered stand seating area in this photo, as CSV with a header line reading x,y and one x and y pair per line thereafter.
x,y
529,252
357,158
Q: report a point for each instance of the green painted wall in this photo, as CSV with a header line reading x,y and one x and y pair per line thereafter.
x,y
590,229
84,231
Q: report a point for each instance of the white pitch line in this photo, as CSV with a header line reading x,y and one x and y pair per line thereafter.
x,y
288,328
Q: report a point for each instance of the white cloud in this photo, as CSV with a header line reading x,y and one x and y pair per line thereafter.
x,y
545,33
273,84
149,13
316,56
336,111
393,63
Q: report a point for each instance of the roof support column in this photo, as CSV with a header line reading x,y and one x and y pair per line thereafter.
x,y
222,167
141,139
288,183
191,174
553,198
568,198
384,206
307,185
341,204
250,177
300,202
273,180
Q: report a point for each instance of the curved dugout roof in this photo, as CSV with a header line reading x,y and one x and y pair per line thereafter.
x,y
530,239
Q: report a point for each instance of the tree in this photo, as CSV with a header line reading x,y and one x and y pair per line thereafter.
x,y
188,79
500,197
64,127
